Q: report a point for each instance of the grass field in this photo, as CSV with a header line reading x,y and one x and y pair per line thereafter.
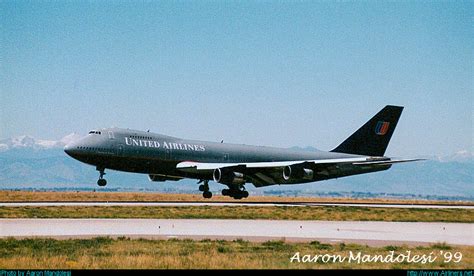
x,y
39,253
333,213
243,212
188,254
22,196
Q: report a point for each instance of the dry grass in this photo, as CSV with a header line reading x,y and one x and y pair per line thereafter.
x,y
243,212
22,196
187,254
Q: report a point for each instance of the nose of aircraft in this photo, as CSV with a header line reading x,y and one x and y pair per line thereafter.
x,y
69,148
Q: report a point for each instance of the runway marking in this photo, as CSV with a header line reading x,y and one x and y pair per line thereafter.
x,y
257,204
364,232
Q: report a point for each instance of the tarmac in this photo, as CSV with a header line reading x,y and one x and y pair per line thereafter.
x,y
374,233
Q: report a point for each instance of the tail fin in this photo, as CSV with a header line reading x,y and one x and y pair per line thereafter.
x,y
372,138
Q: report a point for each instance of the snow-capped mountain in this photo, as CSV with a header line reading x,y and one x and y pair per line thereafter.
x,y
460,156
28,142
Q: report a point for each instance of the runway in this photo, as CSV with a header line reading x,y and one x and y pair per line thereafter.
x,y
257,204
361,232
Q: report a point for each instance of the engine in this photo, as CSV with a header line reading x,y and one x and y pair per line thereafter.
x,y
295,172
228,177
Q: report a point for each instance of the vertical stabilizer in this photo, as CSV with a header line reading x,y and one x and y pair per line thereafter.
x,y
372,138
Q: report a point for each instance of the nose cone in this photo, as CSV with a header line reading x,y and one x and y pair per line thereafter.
x,y
69,148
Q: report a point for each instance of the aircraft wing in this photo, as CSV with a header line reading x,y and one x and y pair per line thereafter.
x,y
186,165
270,173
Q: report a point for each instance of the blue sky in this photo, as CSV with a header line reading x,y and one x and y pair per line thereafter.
x,y
280,73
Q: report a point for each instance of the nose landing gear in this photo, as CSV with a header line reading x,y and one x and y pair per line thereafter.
x,y
101,182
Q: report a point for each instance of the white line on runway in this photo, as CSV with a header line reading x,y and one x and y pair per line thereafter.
x,y
366,232
260,204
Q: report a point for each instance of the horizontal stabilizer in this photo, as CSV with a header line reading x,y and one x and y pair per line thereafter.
x,y
387,162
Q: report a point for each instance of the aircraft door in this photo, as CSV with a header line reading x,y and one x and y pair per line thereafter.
x,y
120,150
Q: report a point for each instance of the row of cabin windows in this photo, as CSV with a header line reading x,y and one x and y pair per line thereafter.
x,y
98,149
141,137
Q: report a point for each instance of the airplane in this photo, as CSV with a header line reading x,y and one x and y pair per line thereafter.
x,y
167,158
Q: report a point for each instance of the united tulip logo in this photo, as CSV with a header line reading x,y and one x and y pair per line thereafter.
x,y
381,128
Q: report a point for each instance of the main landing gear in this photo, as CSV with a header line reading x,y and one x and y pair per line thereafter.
x,y
204,188
101,182
235,192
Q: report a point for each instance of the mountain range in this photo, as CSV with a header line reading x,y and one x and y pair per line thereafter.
x,y
28,142
29,163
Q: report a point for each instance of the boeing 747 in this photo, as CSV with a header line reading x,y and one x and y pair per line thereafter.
x,y
166,158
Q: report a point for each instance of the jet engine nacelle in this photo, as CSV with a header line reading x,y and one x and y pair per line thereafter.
x,y
294,172
228,177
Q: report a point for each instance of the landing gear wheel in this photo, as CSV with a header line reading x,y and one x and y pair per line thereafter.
x,y
237,196
102,182
226,192
205,189
235,192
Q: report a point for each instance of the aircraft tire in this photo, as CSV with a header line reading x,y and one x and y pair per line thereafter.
x,y
237,196
226,192
207,194
102,182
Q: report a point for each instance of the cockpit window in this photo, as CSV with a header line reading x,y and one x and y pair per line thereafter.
x,y
95,132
